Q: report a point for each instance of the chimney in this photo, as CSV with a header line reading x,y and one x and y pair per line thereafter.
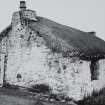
x,y
22,5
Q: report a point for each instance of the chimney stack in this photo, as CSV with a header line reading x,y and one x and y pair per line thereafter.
x,y
22,5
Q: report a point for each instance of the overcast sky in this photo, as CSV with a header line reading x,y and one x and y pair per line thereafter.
x,y
86,15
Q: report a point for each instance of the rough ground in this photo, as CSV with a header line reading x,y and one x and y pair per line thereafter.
x,y
12,97
16,97
10,100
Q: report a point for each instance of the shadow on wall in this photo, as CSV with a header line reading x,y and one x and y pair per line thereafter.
x,y
40,88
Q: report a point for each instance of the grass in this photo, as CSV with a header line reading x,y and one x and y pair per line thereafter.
x,y
97,98
15,97
18,97
11,100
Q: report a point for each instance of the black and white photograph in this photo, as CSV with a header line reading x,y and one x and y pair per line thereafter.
x,y
52,52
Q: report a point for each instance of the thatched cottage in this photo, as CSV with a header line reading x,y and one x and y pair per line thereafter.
x,y
36,50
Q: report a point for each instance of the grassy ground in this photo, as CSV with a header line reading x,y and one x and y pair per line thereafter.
x,y
10,100
97,98
14,97
17,97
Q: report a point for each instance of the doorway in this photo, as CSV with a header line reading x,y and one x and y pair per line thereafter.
x,y
2,64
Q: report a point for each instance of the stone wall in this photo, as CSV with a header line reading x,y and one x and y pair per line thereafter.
x,y
29,57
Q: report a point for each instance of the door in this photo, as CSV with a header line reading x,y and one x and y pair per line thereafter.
x,y
2,60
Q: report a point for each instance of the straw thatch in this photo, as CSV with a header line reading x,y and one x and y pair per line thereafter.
x,y
66,40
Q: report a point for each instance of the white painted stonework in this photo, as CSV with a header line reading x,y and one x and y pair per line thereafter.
x,y
38,65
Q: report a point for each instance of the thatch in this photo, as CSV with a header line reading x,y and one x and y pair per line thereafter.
x,y
66,40
5,32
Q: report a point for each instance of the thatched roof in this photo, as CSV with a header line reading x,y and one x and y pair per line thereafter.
x,y
86,44
5,32
68,40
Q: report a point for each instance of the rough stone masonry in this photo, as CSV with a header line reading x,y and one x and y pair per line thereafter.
x,y
29,56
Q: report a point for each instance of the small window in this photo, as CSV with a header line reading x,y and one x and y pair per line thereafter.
x,y
18,77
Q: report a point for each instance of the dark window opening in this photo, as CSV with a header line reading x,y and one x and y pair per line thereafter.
x,y
18,77
94,68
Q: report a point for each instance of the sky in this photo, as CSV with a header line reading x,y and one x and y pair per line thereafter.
x,y
86,15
